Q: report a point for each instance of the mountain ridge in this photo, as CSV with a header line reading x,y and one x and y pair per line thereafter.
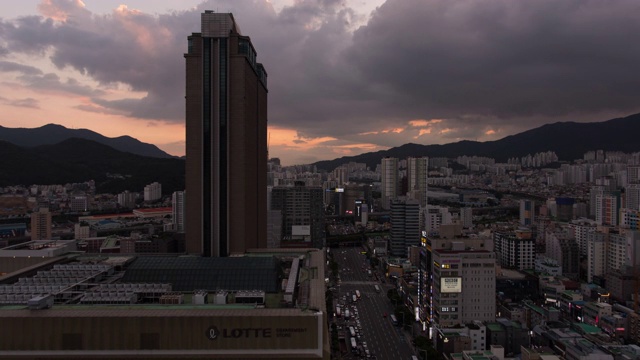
x,y
569,140
78,160
53,133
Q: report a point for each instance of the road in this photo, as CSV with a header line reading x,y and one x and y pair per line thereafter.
x,y
382,338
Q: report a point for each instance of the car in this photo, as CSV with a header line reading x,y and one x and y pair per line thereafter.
x,y
367,353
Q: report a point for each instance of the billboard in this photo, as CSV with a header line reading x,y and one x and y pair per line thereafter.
x,y
300,230
451,285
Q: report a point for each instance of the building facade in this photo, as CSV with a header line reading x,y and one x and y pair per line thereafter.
x,y
417,170
178,210
527,212
302,214
463,282
405,226
390,181
41,224
153,192
226,129
515,250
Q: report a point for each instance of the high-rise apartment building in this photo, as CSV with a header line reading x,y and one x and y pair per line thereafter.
x,y
127,199
623,250
596,254
581,228
607,208
178,210
632,197
630,219
633,174
390,181
516,249
153,192
561,246
41,224
417,170
226,129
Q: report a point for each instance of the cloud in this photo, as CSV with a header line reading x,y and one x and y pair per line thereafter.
x,y
438,70
27,103
24,103
63,10
424,123
507,59
52,83
8,66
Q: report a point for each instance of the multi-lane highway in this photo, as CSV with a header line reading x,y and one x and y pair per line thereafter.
x,y
375,333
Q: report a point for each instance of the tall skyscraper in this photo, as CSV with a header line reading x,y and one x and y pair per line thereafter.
x,y
177,210
226,128
390,182
405,226
417,170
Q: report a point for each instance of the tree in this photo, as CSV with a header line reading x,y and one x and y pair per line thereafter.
x,y
393,295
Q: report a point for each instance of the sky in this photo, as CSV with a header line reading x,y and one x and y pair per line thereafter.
x,y
345,76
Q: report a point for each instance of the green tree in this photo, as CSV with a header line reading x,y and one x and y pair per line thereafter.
x,y
393,295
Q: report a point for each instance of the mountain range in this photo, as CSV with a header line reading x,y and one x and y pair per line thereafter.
x,y
79,160
52,134
31,156
569,140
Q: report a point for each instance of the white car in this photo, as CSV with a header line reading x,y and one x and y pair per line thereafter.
x,y
367,353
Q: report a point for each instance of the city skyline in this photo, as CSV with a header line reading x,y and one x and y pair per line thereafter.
x,y
343,80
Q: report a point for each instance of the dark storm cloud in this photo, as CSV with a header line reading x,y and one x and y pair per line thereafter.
x,y
505,59
52,83
481,66
9,66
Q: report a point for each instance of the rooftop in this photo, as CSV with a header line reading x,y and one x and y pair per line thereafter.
x,y
207,273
